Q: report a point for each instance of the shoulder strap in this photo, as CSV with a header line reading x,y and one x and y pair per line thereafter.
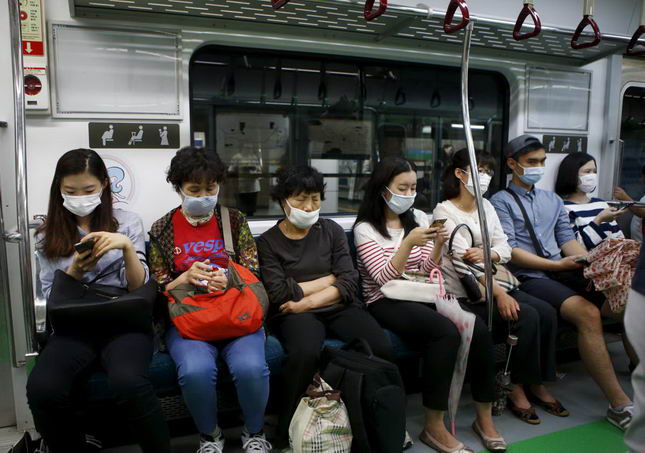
x,y
454,233
529,226
459,262
107,271
226,227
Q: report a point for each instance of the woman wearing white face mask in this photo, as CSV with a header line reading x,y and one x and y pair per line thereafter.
x,y
391,237
80,209
592,219
187,246
308,273
534,320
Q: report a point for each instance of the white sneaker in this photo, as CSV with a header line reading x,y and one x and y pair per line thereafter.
x,y
256,443
216,446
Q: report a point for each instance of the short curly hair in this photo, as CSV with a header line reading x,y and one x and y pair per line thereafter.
x,y
195,165
296,180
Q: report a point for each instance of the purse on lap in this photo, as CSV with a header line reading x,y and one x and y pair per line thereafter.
x,y
210,316
415,287
78,308
475,290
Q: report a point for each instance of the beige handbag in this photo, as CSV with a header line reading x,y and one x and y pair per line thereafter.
x,y
321,422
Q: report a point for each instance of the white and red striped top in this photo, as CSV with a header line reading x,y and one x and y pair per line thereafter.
x,y
374,253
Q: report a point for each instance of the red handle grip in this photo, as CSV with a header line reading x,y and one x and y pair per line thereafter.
x,y
450,13
586,20
527,11
277,4
634,41
371,15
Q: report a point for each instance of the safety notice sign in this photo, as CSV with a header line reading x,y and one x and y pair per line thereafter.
x,y
31,27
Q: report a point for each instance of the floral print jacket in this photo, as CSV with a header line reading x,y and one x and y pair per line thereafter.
x,y
162,245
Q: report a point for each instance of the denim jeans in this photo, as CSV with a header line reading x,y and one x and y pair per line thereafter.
x,y
197,370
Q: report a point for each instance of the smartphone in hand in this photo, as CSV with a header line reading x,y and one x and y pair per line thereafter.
x,y
438,223
81,247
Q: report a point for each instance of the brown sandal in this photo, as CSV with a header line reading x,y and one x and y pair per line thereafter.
x,y
556,408
526,415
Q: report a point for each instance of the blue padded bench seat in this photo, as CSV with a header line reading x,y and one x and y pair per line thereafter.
x,y
163,372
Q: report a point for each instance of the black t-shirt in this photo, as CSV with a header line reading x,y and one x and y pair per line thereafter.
x,y
285,262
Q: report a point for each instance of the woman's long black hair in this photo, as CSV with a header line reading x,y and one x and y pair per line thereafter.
x,y
566,183
372,208
60,230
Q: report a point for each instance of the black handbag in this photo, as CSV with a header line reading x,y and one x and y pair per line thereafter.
x,y
78,308
469,282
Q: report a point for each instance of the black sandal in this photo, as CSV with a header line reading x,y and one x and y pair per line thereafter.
x,y
526,415
555,408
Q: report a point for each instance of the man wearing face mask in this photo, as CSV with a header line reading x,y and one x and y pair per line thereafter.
x,y
312,285
538,229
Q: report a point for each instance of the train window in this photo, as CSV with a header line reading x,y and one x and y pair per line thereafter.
x,y
263,110
632,132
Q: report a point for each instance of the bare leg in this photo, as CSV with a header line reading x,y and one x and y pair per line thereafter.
x,y
608,313
485,419
436,426
593,350
518,397
543,393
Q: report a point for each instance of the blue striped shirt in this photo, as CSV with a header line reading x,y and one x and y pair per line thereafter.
x,y
547,216
588,232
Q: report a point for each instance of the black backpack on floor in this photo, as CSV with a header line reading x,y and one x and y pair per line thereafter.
x,y
373,392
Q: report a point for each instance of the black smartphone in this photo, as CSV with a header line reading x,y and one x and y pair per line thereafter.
x,y
80,247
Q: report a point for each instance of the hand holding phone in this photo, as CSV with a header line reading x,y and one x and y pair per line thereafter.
x,y
83,246
438,223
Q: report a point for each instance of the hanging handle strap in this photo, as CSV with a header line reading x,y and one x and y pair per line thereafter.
x,y
587,20
450,13
369,14
529,226
277,4
634,42
528,10
228,237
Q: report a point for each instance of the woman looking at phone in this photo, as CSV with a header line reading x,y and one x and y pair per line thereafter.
x,y
80,212
532,320
391,238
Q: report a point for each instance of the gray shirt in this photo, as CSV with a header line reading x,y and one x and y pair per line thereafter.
x,y
130,225
546,213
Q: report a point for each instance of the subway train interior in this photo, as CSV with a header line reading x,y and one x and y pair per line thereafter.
x,y
338,85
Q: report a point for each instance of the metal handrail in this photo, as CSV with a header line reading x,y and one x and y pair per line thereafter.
x,y
587,20
450,13
474,174
4,287
527,10
22,236
371,15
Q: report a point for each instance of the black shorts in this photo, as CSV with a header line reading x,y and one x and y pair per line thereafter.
x,y
556,293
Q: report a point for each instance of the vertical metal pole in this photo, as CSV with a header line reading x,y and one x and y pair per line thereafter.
x,y
474,174
22,236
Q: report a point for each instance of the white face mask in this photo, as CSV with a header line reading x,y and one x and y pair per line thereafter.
x,y
198,206
399,203
484,182
82,205
302,219
588,182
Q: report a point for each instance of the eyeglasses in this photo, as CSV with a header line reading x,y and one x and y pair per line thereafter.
x,y
486,171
